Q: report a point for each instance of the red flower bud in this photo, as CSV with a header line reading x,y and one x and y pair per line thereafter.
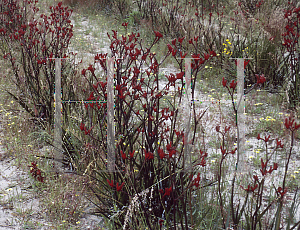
x,y
158,34
119,187
258,137
233,84
224,82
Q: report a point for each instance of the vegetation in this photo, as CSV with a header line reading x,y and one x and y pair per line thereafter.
x,y
170,172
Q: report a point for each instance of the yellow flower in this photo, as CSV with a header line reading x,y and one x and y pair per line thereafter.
x,y
293,176
296,172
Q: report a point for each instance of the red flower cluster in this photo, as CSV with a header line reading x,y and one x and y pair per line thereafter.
x,y
250,188
161,153
202,157
148,155
125,24
124,155
158,35
265,140
118,187
171,150
224,82
260,78
281,192
171,78
86,131
232,84
102,59
278,144
225,153
291,35
36,172
167,191
196,181
264,170
226,129
289,124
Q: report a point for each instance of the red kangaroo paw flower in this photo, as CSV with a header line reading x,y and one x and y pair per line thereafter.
x,y
158,34
110,183
81,126
168,191
224,82
233,84
123,155
119,187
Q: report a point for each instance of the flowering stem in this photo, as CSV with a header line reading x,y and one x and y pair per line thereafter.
x,y
288,160
219,190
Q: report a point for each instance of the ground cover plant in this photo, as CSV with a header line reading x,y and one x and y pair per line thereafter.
x,y
154,187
